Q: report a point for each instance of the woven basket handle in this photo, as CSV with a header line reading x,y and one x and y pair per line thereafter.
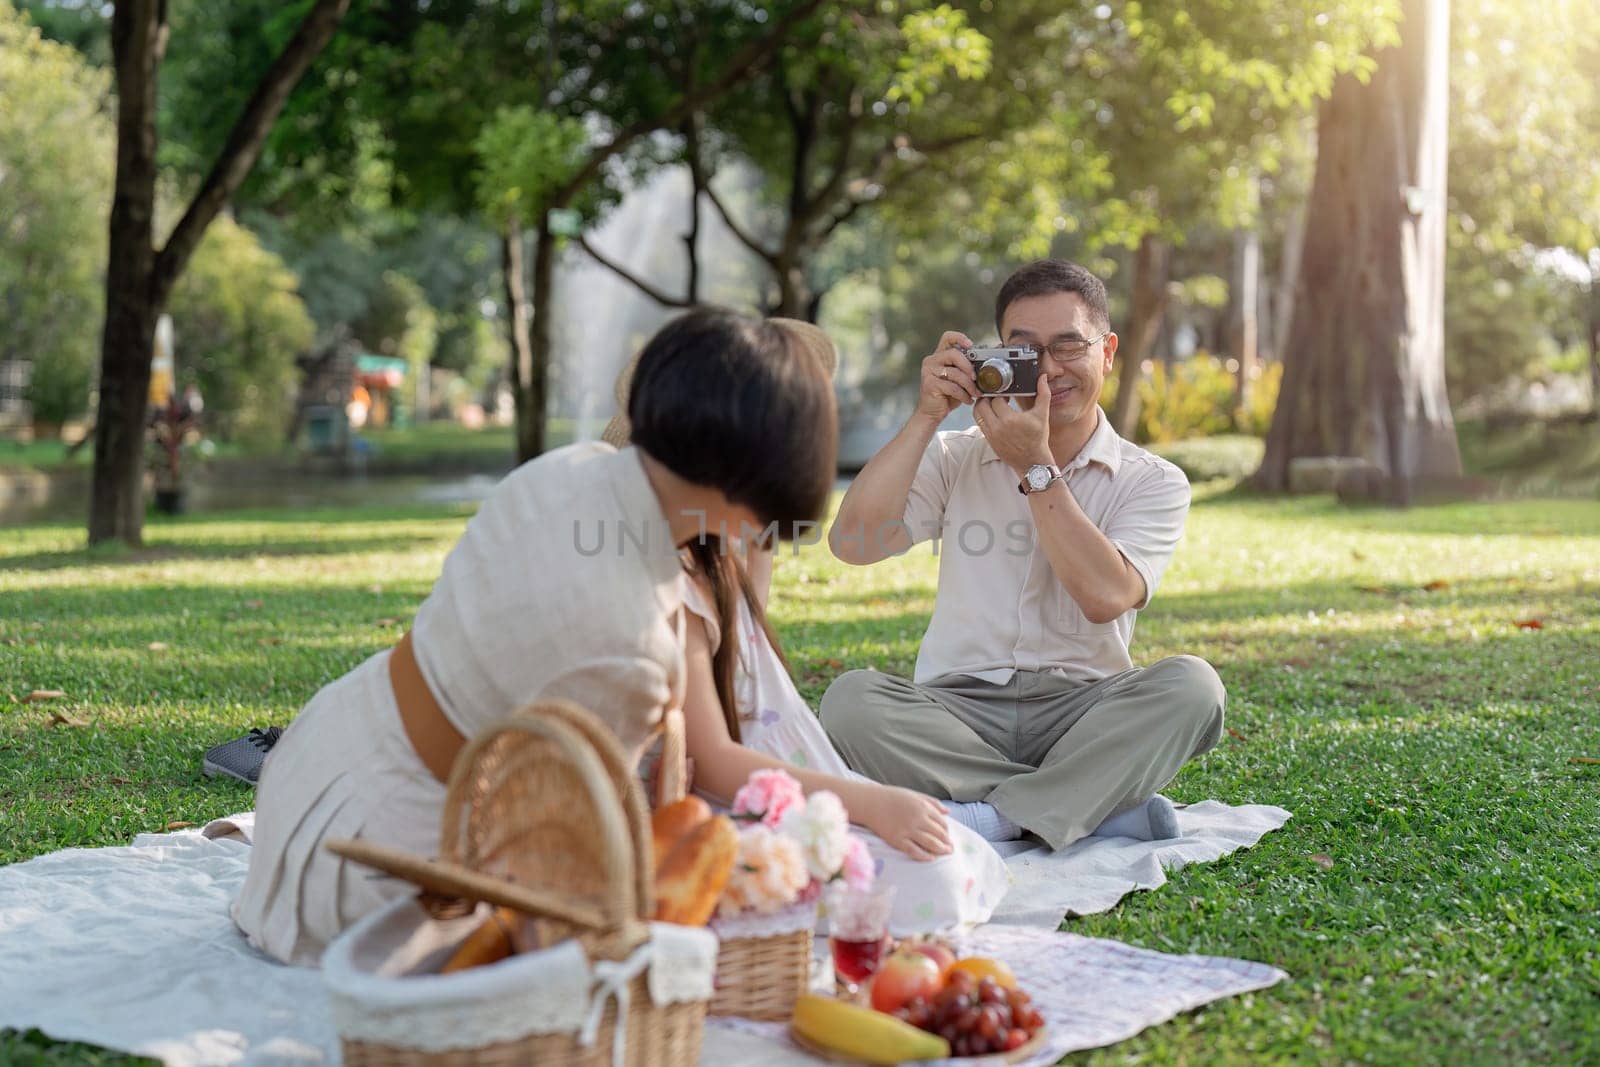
x,y
618,898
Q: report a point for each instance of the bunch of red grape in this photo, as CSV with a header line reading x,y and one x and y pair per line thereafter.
x,y
976,1017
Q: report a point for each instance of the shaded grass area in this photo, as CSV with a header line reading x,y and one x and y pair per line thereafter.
x,y
1433,898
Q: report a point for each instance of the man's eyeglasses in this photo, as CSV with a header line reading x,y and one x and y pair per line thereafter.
x,y
1070,351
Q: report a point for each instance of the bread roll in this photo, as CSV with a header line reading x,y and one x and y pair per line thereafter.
x,y
672,821
691,879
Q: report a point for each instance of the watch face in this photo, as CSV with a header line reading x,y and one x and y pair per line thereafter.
x,y
1038,478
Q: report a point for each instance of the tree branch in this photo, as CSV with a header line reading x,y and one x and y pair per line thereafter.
x,y
847,141
881,165
245,141
740,67
660,296
744,238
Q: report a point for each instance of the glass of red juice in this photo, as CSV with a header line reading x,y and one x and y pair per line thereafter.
x,y
858,932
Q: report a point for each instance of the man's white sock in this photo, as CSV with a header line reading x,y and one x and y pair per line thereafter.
x,y
984,819
1154,820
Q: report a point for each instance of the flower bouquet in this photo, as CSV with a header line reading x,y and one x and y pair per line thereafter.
x,y
790,847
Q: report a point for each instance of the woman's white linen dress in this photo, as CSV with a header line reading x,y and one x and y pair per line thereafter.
x,y
565,584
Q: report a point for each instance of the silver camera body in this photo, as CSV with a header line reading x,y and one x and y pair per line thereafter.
x,y
1005,370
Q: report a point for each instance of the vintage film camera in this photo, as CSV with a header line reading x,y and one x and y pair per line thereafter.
x,y
1005,370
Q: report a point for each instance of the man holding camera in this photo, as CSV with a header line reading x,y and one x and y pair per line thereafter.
x,y
1026,710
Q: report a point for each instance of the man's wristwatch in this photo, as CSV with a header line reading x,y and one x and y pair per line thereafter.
x,y
1038,478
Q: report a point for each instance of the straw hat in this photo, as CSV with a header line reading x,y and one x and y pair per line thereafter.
x,y
807,336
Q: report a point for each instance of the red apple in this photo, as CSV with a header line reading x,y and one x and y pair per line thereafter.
x,y
937,951
904,975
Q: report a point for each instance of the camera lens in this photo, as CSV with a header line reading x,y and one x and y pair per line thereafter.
x,y
994,376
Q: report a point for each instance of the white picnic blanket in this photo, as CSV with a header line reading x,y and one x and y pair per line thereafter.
x,y
132,948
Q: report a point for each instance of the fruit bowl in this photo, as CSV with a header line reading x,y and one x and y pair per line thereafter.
x,y
978,1013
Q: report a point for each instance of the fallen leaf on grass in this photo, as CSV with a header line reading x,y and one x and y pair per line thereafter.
x,y
158,646
1529,624
1436,585
61,718
1236,735
1323,860
386,623
252,604
179,825
120,781
43,694
1583,759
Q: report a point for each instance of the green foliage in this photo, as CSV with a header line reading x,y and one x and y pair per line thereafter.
x,y
239,324
1525,130
1226,457
1197,398
936,45
56,154
1507,316
525,156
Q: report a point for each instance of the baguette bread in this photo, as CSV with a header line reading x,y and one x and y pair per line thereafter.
x,y
690,881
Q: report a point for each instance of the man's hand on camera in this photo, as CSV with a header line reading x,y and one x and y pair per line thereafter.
x,y
947,378
1019,436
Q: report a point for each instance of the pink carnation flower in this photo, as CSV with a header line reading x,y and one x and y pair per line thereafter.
x,y
859,869
768,796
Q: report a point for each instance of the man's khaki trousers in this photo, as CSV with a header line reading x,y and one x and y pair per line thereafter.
x,y
1058,757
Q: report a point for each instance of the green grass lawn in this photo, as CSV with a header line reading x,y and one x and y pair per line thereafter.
x,y
1434,898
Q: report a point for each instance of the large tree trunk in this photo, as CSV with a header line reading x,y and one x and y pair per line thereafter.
x,y
1364,368
116,502
513,275
139,279
1151,265
1294,243
1594,333
1245,310
533,391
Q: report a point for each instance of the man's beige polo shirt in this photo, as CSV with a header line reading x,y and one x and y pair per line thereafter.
x,y
1000,608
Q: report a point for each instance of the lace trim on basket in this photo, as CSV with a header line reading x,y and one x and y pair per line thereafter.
x,y
787,921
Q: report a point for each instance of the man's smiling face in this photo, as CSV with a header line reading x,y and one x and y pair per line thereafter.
x,y
1056,318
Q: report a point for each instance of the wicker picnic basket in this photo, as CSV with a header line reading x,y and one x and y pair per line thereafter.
x,y
543,815
763,963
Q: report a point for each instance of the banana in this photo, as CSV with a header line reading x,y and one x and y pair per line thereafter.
x,y
862,1034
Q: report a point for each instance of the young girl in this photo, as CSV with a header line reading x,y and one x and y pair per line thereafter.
x,y
743,713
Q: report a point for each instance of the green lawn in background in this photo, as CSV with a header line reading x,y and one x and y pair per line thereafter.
x,y
1434,898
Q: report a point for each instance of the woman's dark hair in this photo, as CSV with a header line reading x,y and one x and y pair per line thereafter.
x,y
1045,276
728,581
743,405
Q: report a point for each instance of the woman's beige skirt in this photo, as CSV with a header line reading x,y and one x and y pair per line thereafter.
x,y
343,768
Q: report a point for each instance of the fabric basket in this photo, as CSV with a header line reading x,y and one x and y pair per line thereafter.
x,y
543,815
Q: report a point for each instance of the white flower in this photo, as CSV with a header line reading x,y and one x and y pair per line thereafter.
x,y
822,829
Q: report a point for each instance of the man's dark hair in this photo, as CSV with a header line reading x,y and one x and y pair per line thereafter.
x,y
1045,276
744,405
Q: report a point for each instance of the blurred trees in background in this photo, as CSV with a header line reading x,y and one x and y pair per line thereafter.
x,y
880,163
